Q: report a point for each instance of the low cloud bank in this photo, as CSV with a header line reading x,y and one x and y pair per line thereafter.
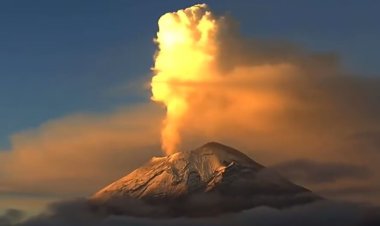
x,y
327,213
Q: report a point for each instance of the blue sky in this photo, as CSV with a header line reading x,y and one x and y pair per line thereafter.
x,y
63,57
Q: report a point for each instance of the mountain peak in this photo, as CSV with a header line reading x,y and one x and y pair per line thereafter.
x,y
224,153
220,174
214,144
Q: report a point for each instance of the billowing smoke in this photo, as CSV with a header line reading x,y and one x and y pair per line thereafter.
x,y
196,78
187,42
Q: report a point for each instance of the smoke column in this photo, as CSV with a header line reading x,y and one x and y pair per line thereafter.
x,y
212,81
187,47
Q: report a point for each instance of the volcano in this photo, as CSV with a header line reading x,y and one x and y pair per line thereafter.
x,y
210,180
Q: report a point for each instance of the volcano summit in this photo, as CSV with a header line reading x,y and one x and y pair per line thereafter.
x,y
209,180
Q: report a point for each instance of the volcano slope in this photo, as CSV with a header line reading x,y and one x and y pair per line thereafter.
x,y
210,180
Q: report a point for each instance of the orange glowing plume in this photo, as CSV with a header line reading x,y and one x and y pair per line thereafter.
x,y
187,43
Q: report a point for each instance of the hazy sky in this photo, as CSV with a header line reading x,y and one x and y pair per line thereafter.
x,y
74,93
60,57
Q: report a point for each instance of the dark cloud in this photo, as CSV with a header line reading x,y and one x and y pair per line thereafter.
x,y
310,171
200,205
370,217
327,213
351,190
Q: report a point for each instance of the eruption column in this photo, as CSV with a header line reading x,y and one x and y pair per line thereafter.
x,y
186,50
